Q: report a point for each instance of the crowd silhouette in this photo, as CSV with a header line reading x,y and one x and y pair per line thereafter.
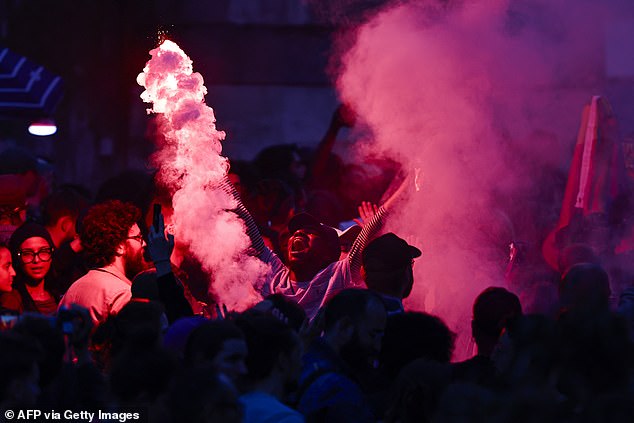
x,y
102,309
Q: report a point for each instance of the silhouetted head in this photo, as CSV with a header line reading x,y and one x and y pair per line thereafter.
x,y
221,344
60,213
275,350
141,374
281,162
492,310
51,340
575,254
387,264
19,371
201,394
290,311
410,336
585,287
354,323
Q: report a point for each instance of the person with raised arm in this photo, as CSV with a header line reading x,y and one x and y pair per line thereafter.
x,y
160,283
314,272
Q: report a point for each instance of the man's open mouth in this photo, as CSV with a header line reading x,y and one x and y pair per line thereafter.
x,y
299,245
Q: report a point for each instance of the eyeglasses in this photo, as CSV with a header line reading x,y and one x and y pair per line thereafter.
x,y
28,256
138,237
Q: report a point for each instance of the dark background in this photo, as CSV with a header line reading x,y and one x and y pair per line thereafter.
x,y
265,64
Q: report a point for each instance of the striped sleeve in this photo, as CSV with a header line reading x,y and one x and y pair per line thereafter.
x,y
368,232
257,243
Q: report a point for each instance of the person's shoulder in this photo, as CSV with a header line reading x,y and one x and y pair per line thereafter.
x,y
322,370
91,274
262,407
340,264
80,282
330,387
288,415
478,369
336,379
11,301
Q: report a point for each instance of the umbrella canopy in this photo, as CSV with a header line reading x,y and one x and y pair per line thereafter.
x,y
26,88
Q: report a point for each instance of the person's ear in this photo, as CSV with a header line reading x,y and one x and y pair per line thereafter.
x,y
121,249
66,224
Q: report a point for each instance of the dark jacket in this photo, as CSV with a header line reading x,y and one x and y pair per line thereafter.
x,y
328,392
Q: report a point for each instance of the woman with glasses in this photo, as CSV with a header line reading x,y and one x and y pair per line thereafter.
x,y
32,250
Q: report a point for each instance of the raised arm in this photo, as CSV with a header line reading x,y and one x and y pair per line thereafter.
x,y
171,292
372,227
257,243
344,116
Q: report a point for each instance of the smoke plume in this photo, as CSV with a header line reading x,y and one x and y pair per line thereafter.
x,y
485,97
190,163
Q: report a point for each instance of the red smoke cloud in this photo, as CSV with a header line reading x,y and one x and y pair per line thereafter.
x,y
485,97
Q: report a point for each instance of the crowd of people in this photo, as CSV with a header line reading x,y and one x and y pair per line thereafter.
x,y
102,309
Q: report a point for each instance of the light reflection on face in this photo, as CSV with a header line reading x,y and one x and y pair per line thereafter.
x,y
38,268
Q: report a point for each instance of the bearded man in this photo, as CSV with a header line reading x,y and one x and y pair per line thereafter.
x,y
336,365
113,247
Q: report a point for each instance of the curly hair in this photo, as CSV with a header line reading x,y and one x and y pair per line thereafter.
x,y
104,228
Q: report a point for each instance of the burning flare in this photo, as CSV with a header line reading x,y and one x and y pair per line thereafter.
x,y
190,163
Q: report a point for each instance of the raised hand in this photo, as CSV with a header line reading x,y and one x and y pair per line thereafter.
x,y
160,244
366,211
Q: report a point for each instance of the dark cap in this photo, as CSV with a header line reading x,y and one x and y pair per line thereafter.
x,y
308,221
28,230
388,252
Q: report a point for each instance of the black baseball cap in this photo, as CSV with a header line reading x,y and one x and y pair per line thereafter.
x,y
388,252
308,221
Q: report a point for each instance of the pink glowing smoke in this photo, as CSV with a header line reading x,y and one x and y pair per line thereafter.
x,y
190,163
482,96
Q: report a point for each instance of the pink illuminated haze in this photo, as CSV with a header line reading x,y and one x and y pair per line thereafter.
x,y
485,97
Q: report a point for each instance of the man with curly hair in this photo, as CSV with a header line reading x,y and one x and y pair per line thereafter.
x,y
113,247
